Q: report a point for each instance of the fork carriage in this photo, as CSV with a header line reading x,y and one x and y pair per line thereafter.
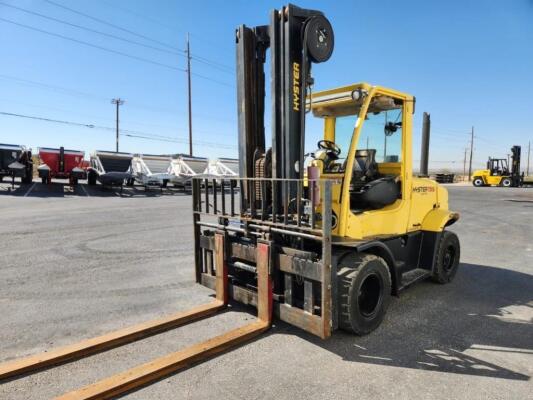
x,y
297,231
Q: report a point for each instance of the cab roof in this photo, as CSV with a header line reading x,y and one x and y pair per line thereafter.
x,y
346,100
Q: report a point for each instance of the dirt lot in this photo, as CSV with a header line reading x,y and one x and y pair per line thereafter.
x,y
76,264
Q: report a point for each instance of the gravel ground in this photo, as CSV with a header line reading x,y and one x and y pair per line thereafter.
x,y
76,264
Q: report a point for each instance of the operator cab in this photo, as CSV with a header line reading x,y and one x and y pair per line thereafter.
x,y
375,180
498,167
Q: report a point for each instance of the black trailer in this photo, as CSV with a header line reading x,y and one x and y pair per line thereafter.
x,y
16,162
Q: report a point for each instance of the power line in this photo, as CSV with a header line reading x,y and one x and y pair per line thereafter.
x,y
131,133
111,24
114,51
91,30
212,64
92,45
68,91
159,23
203,60
92,96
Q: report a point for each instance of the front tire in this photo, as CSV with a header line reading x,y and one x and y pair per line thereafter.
x,y
364,289
447,259
506,182
478,181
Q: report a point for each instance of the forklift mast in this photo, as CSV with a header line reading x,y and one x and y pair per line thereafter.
x,y
516,176
297,38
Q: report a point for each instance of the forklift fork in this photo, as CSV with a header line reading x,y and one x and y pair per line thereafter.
x,y
170,363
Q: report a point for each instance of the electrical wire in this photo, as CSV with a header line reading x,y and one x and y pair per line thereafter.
x,y
127,132
115,52
92,30
93,45
112,25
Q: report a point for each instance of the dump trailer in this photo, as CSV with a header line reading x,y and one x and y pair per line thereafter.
x,y
109,168
322,245
151,170
184,167
498,172
16,162
61,164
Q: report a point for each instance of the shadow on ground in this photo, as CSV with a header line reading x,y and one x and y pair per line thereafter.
x,y
431,326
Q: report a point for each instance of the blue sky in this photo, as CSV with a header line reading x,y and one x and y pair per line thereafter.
x,y
467,62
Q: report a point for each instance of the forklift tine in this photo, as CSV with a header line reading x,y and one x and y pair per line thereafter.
x,y
154,370
105,342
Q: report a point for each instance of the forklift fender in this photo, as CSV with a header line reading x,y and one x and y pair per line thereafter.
x,y
437,219
379,249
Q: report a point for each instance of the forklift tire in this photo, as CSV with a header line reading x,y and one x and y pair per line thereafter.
x,y
447,259
506,182
478,181
364,290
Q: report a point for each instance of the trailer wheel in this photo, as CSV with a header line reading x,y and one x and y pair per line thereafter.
x,y
478,181
91,178
447,260
506,182
364,290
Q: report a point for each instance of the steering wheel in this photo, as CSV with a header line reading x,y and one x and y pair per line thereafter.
x,y
329,145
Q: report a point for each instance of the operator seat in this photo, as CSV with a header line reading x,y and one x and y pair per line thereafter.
x,y
368,189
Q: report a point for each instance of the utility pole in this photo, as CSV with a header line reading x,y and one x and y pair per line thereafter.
x,y
189,84
528,151
471,153
464,165
118,102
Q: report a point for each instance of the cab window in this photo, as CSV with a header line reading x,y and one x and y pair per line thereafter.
x,y
382,131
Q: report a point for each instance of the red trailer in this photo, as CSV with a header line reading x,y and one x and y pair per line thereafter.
x,y
61,163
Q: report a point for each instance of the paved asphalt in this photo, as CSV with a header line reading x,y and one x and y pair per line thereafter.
x,y
76,264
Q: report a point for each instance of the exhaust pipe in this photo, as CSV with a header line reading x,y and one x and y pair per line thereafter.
x,y
424,152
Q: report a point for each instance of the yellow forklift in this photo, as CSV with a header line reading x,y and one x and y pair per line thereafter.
x,y
498,173
320,240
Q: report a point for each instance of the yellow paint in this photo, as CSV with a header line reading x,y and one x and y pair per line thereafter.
x,y
423,204
488,179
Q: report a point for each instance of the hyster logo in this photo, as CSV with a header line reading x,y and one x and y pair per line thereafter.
x,y
423,189
295,86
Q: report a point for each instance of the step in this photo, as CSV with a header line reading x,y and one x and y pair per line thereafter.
x,y
413,276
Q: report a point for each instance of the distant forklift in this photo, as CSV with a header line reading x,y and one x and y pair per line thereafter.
x,y
497,172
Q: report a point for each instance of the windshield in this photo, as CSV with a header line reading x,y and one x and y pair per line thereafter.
x,y
382,132
344,127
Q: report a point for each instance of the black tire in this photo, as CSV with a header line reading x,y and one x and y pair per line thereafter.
x,y
364,290
447,259
506,182
478,181
91,178
28,178
44,180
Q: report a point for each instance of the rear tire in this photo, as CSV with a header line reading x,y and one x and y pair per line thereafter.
x,y
364,290
447,259
478,181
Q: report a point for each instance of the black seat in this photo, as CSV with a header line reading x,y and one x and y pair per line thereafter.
x,y
376,194
365,169
368,189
